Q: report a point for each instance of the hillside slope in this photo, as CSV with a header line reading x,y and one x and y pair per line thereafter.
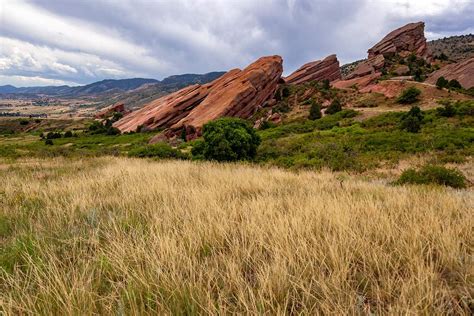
x,y
455,47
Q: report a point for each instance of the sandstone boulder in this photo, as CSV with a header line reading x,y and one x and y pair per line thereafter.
x,y
328,68
238,93
368,67
404,41
357,82
462,71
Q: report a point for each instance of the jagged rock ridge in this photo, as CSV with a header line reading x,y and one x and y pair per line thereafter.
x,y
238,93
326,69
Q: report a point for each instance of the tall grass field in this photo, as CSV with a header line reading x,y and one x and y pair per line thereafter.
x,y
129,236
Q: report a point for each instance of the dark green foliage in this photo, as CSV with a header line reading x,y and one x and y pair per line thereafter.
x,y
116,116
442,57
326,84
447,111
285,92
267,125
334,107
53,135
100,128
158,150
409,95
24,122
454,84
412,120
183,135
442,83
68,134
228,139
282,107
433,175
48,142
315,111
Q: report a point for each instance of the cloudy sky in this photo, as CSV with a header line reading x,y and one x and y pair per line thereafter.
x,y
53,42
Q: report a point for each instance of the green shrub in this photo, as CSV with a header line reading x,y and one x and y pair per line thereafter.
x,y
442,83
53,135
158,150
315,111
326,84
447,111
267,125
412,120
334,107
228,139
454,84
433,175
409,95
24,122
68,134
48,142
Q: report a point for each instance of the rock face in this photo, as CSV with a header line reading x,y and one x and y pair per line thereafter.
x,y
404,41
328,68
238,93
368,67
119,107
462,72
359,82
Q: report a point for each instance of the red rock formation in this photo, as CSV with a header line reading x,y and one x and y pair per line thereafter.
x,y
404,41
359,82
238,93
462,71
108,111
327,68
368,67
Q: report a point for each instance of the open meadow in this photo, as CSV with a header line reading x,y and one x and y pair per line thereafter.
x,y
116,235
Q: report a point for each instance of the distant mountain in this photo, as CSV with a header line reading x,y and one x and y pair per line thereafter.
x,y
110,86
146,93
104,86
455,47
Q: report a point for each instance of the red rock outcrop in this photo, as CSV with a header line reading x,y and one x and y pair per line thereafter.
x,y
368,67
238,93
462,71
359,82
404,41
108,111
328,68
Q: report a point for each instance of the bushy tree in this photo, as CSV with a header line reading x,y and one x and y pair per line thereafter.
x,y
228,139
448,110
442,83
326,84
412,120
315,111
409,95
68,134
454,84
334,107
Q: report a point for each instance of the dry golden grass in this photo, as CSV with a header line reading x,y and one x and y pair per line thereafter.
x,y
114,235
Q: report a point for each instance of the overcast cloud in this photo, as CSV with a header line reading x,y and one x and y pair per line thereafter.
x,y
52,42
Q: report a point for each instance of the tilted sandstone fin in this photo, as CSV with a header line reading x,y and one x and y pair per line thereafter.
x,y
328,68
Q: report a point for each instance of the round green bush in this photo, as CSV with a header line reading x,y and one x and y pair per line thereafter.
x,y
409,95
334,107
228,139
433,175
315,111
